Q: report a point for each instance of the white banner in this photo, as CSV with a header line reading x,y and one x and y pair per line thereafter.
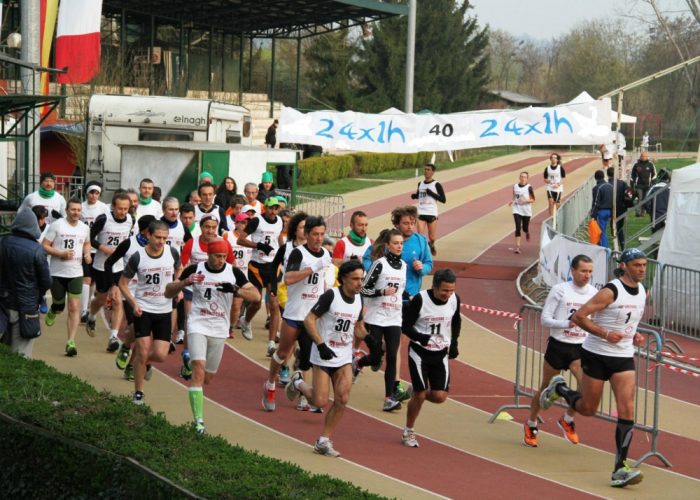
x,y
570,124
557,252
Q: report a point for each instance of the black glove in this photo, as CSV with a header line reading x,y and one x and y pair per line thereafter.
x,y
56,215
325,352
423,339
414,196
227,288
453,351
265,248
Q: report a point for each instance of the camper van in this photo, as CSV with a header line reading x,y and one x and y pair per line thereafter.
x,y
114,120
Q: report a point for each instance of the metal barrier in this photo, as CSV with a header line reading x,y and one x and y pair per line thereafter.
x,y
679,296
530,349
574,210
330,207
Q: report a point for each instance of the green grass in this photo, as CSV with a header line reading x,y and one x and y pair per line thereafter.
x,y
673,163
342,186
63,405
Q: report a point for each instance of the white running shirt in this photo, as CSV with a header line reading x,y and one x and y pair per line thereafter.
x,y
336,325
153,274
67,237
563,301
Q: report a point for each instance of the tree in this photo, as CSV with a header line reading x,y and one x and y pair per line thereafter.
x,y
451,63
328,60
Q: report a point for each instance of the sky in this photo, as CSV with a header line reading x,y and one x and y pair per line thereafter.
x,y
546,19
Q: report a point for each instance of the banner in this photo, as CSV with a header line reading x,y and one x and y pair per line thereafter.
x,y
570,124
557,252
49,12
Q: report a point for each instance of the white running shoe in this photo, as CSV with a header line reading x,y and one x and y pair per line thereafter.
x,y
409,439
325,448
180,337
303,404
246,329
549,395
289,389
268,399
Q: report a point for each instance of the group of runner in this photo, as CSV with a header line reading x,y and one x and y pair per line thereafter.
x,y
204,269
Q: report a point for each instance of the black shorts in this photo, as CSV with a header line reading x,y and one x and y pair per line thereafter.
x,y
560,354
554,195
263,275
428,369
330,370
102,281
602,367
87,268
428,218
153,324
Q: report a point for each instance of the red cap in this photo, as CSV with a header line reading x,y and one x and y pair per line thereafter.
x,y
218,246
241,217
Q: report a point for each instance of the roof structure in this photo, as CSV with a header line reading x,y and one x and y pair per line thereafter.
x,y
515,98
262,18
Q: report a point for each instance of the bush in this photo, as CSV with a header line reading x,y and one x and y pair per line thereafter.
x,y
322,169
373,163
64,406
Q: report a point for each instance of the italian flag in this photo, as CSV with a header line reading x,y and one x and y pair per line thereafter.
x,y
78,40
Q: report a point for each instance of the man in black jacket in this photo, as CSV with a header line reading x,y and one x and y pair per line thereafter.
x,y
658,207
24,280
620,207
602,204
643,173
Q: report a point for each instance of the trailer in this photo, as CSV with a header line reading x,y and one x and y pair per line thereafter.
x,y
113,120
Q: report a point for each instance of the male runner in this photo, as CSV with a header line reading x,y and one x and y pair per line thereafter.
x,y
146,204
207,193
355,243
428,193
92,207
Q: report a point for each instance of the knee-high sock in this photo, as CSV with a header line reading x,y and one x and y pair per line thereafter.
x,y
570,395
85,298
196,402
623,438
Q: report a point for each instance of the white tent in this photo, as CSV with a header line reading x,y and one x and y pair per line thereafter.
x,y
680,247
586,97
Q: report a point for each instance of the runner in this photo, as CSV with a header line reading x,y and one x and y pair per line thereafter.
x,y
147,205
355,243
331,324
242,255
187,219
565,339
303,276
608,354
523,198
178,235
122,254
207,207
262,234
47,196
428,193
155,266
250,191
106,233
432,321
382,291
67,241
92,207
554,174
214,285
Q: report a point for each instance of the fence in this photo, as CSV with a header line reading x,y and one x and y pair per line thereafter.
x,y
574,210
530,348
330,207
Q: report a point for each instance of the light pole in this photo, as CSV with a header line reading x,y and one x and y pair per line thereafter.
x,y
410,55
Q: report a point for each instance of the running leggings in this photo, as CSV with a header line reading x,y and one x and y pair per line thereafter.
x,y
521,221
392,339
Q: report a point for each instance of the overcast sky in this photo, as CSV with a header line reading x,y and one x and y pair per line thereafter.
x,y
545,19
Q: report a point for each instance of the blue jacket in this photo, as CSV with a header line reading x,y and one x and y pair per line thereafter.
x,y
24,266
415,247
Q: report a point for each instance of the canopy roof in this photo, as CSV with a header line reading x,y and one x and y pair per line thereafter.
x,y
262,18
586,97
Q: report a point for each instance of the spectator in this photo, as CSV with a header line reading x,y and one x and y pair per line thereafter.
x,y
284,176
271,135
47,196
24,280
227,190
643,173
266,188
658,207
602,204
620,207
206,177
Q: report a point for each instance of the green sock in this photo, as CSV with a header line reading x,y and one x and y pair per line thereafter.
x,y
197,402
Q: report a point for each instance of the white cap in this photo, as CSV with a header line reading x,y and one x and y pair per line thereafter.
x,y
247,208
94,187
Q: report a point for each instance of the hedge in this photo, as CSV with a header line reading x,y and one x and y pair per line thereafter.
x,y
34,466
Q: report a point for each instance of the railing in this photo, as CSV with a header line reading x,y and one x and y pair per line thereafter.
x,y
574,210
530,348
330,207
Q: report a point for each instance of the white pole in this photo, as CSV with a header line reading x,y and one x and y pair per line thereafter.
x,y
410,55
30,52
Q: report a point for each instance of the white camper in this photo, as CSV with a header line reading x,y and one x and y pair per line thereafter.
x,y
119,119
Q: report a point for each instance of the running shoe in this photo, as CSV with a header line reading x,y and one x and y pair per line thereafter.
x,y
356,368
517,250
122,356
70,348
303,404
378,365
325,448
569,430
186,370
246,329
390,404
530,438
292,392
549,395
199,427
84,318
138,398
626,475
180,338
271,348
284,375
268,399
112,344
129,372
401,394
409,439
315,409
149,373
43,307
50,318
90,327
172,347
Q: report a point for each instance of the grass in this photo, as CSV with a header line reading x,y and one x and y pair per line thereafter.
x,y
342,186
65,406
